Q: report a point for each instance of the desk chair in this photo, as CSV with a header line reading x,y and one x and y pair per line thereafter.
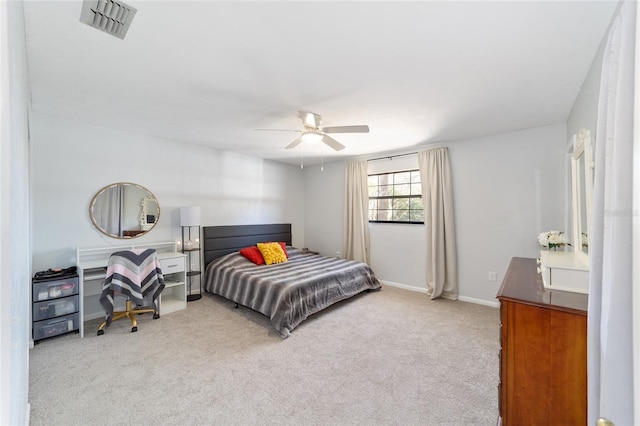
x,y
137,275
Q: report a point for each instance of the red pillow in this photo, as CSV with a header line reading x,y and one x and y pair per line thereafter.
x,y
284,248
253,254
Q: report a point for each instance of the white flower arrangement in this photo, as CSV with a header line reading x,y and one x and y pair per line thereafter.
x,y
553,240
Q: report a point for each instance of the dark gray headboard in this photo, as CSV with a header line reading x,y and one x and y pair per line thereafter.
x,y
222,240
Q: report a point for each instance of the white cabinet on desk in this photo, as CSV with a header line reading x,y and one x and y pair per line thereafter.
x,y
92,268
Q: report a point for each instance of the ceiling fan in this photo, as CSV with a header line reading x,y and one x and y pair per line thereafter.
x,y
313,133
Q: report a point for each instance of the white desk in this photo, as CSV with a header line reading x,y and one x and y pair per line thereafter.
x,y
92,268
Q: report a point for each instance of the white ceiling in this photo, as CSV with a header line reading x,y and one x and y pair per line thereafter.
x,y
211,72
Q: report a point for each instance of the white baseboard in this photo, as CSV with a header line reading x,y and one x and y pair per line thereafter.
x,y
424,290
404,286
479,301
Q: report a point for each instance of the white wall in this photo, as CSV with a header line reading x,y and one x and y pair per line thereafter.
x,y
14,218
324,208
506,191
71,161
584,114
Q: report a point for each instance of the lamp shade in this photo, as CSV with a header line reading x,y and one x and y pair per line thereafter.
x,y
189,216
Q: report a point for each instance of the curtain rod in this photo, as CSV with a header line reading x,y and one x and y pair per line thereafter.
x,y
391,157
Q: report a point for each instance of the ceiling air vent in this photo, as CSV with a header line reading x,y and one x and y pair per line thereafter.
x,y
112,17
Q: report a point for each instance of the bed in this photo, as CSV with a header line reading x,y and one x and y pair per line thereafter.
x,y
287,293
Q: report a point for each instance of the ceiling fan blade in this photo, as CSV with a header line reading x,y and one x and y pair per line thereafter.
x,y
310,120
294,143
347,129
332,143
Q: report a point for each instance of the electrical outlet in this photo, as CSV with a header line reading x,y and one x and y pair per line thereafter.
x,y
493,276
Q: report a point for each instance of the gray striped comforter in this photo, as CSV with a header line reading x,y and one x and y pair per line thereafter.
x,y
288,292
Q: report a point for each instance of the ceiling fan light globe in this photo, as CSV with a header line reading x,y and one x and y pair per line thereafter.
x,y
311,138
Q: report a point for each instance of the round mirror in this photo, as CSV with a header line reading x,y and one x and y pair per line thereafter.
x,y
124,210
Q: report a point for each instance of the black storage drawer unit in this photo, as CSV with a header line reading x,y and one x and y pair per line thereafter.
x,y
56,306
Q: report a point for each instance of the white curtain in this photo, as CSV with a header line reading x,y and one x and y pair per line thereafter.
x,y
437,198
610,356
356,212
108,211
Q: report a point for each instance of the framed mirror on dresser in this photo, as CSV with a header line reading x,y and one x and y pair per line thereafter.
x,y
582,167
569,270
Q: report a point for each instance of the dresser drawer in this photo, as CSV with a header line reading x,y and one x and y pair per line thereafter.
x,y
172,264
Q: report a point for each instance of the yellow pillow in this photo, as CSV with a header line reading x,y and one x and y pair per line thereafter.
x,y
272,253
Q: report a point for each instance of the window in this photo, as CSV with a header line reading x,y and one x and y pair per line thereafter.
x,y
396,197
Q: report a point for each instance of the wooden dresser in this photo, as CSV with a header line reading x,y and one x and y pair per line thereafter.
x,y
543,355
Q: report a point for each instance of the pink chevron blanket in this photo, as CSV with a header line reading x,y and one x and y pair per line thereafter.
x,y
136,274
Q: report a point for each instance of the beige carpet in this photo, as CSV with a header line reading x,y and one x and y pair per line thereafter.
x,y
391,357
